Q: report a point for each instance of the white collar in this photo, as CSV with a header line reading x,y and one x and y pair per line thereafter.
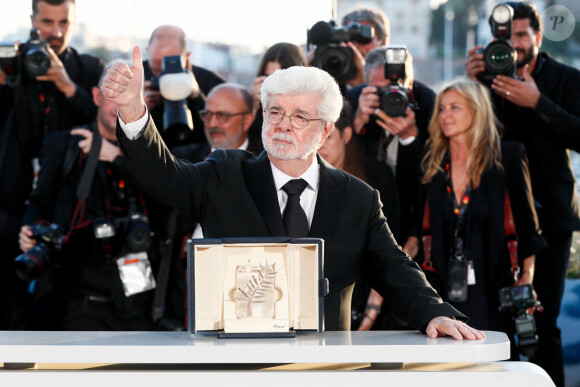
x,y
311,175
244,146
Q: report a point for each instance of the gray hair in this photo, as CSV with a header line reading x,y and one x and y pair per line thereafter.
x,y
375,58
375,16
244,93
300,80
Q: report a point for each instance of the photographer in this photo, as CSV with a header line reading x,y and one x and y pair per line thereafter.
x,y
32,108
396,141
80,285
167,41
393,146
541,110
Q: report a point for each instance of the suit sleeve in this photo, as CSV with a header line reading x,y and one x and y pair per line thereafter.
x,y
397,278
563,119
177,183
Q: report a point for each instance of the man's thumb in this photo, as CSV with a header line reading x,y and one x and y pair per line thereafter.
x,y
137,59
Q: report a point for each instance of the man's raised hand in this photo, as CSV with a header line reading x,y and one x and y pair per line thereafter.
x,y
123,85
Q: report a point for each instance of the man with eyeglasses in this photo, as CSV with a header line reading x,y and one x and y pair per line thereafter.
x,y
227,118
288,190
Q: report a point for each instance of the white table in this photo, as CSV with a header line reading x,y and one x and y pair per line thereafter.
x,y
333,358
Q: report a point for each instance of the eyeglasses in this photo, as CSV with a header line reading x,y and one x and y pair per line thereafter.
x,y
222,117
298,121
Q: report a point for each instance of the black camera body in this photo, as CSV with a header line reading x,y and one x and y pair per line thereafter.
x,y
499,57
457,288
131,233
330,56
31,57
35,261
515,300
395,98
172,83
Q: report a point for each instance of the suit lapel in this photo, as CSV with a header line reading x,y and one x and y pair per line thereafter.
x,y
331,199
260,183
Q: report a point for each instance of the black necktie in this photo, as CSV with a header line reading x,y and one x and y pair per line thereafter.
x,y
295,219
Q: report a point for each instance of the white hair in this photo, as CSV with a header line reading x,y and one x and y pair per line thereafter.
x,y
300,80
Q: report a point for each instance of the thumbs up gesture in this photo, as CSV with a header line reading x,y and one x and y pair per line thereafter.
x,y
123,85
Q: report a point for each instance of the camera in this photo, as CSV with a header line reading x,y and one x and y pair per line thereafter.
x,y
36,260
134,232
515,300
395,98
33,56
174,84
499,57
457,280
138,234
330,56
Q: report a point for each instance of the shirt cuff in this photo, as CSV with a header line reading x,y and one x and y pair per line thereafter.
x,y
134,129
407,141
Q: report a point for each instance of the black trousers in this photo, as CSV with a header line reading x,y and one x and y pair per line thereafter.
x,y
551,265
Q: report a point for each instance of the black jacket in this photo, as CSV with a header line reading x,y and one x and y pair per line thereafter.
x,y
86,265
548,132
22,135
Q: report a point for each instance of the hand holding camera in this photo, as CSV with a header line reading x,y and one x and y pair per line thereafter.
x,y
523,93
38,243
403,127
25,239
57,73
333,52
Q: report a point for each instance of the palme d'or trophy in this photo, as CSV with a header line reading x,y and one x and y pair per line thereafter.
x,y
256,291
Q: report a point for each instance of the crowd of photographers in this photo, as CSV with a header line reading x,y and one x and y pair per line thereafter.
x,y
85,248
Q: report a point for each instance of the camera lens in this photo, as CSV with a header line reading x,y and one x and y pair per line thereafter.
x,y
394,103
138,235
30,264
335,62
499,57
37,61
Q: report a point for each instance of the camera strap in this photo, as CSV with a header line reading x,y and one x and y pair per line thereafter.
x,y
91,166
460,210
511,237
164,266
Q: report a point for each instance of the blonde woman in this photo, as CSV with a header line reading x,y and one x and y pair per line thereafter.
x,y
467,174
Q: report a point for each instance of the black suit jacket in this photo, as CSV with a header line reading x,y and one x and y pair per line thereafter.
x,y
548,132
233,194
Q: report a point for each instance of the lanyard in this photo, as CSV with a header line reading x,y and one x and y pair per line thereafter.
x,y
459,209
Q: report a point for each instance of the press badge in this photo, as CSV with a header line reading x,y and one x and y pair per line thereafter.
x,y
136,274
470,273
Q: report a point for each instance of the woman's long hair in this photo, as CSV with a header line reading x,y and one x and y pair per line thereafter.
x,y
484,140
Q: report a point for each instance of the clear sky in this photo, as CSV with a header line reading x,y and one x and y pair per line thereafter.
x,y
253,23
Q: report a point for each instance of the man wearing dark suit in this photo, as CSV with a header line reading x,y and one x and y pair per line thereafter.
x,y
33,107
541,109
234,194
